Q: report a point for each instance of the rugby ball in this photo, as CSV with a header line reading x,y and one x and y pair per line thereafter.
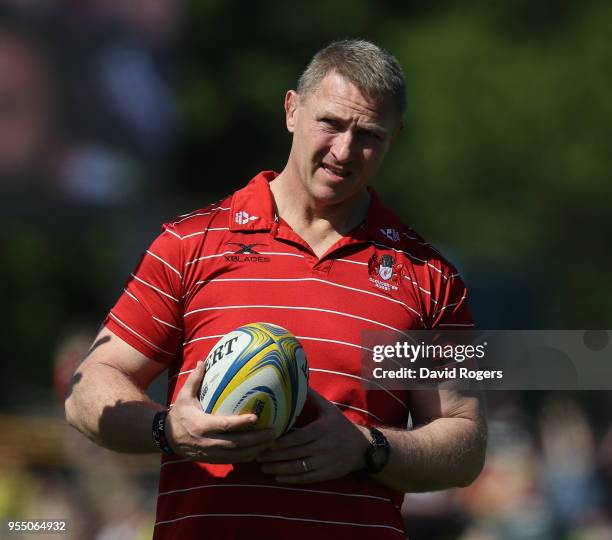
x,y
258,368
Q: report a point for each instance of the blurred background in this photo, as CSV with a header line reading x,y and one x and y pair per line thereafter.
x,y
116,116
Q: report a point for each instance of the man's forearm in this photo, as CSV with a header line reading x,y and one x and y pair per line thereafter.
x,y
108,408
448,452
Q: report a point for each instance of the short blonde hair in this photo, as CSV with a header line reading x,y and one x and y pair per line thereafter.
x,y
369,67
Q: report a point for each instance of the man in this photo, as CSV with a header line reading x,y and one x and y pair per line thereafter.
x,y
311,249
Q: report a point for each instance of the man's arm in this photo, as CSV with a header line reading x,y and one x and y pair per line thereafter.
x,y
107,401
447,447
108,404
446,451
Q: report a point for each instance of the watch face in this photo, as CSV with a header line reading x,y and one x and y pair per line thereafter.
x,y
378,452
379,457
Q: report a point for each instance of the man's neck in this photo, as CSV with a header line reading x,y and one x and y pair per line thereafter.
x,y
321,225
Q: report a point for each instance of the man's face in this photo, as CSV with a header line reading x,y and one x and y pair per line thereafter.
x,y
340,137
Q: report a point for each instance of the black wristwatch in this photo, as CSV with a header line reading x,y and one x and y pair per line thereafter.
x,y
377,453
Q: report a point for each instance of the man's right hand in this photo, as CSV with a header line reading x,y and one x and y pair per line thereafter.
x,y
198,436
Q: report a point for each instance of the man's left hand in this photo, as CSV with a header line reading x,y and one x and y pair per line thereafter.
x,y
329,447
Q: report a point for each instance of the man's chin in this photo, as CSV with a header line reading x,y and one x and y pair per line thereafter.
x,y
334,193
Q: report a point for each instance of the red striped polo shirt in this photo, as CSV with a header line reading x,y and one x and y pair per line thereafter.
x,y
234,263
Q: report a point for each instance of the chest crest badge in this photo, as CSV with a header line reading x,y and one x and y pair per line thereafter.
x,y
384,273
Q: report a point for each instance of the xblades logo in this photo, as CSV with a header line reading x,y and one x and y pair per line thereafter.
x,y
246,250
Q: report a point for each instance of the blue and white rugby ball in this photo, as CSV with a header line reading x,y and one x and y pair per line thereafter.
x,y
258,368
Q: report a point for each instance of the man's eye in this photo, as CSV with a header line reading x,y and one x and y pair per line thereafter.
x,y
330,122
370,135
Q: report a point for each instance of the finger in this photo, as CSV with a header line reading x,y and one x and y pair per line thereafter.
x,y
241,455
226,424
298,437
194,380
288,468
239,440
295,452
304,478
292,467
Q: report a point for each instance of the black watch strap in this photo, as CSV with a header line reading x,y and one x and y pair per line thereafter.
x,y
377,454
159,432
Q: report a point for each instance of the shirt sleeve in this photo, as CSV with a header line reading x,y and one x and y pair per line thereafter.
x,y
452,311
148,315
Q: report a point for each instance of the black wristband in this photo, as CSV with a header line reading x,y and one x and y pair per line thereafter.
x,y
159,432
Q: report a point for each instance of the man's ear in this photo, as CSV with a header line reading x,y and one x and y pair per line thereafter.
x,y
396,132
291,106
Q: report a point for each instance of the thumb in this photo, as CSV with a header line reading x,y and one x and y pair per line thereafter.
x,y
191,387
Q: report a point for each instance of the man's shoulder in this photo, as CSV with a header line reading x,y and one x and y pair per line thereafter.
x,y
214,215
252,202
392,232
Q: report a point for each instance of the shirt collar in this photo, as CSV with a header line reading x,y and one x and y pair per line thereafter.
x,y
379,218
252,209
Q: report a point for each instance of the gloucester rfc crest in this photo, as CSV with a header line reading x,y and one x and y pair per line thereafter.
x,y
384,273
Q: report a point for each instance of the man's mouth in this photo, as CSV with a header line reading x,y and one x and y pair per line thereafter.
x,y
335,172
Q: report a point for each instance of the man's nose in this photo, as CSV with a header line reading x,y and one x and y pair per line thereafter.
x,y
343,147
